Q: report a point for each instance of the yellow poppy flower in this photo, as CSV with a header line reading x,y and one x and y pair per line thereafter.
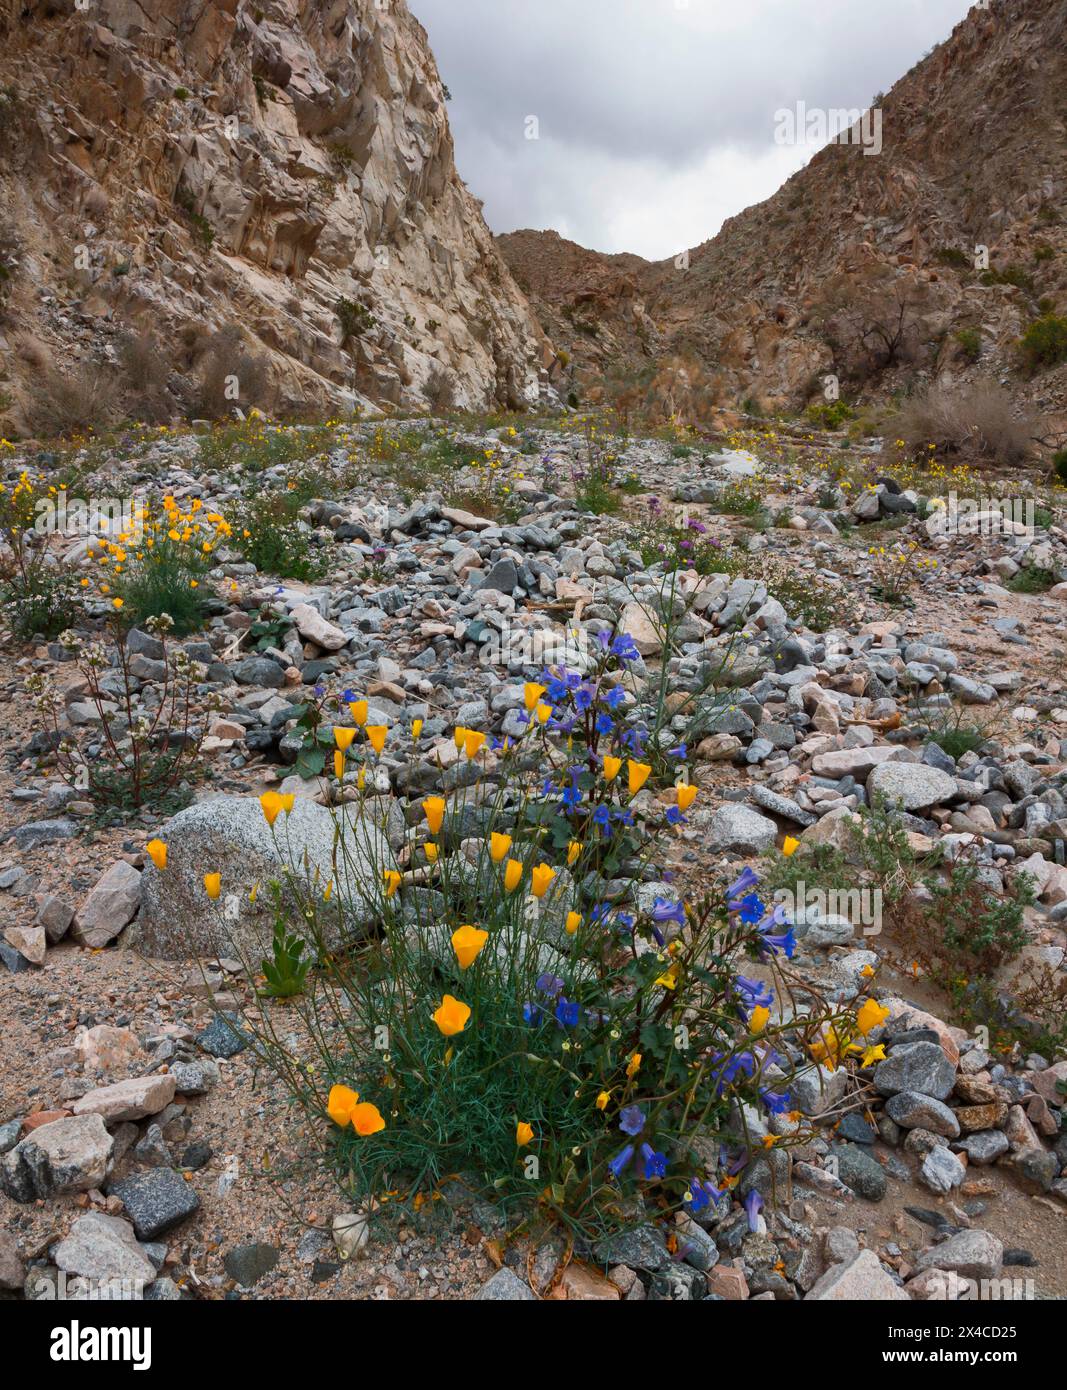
x,y
358,710
759,1019
271,804
430,850
512,875
340,1104
472,743
523,1134
687,794
574,848
376,733
451,1016
467,942
460,736
434,810
531,694
157,852
338,764
392,881
416,728
343,738
602,1100
367,1119
611,768
790,846
633,1066
288,800
498,846
540,878
638,774
213,885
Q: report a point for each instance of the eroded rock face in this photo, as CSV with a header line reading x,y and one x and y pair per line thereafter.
x,y
256,165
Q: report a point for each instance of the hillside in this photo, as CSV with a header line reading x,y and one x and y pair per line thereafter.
x,y
280,172
974,154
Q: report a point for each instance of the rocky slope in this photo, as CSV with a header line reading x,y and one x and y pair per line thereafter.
x,y
186,166
974,154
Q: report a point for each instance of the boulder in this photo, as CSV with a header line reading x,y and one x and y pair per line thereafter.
x,y
915,786
229,835
860,1279
69,1155
128,1100
109,907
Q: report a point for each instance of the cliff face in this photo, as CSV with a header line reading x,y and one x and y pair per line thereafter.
x,y
974,153
283,167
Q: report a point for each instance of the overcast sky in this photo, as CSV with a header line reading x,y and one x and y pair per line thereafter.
x,y
656,118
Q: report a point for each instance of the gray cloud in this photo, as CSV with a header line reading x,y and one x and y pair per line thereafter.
x,y
656,117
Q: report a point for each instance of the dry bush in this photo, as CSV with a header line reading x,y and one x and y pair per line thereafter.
x,y
440,392
224,362
976,424
145,372
61,404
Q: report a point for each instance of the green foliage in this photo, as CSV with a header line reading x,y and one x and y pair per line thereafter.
x,y
286,972
970,343
1059,465
828,415
355,319
1031,580
1044,344
268,532
40,600
954,257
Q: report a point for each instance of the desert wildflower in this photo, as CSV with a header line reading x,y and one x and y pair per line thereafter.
x,y
498,846
367,1119
574,848
872,1015
340,1104
431,851
343,737
376,733
157,852
451,1016
358,710
434,810
790,846
633,1066
467,942
512,874
602,1100
540,878
472,742
416,728
544,713
687,794
523,1134
392,881
574,921
531,694
271,803
288,800
213,885
758,1019
611,768
338,764
638,774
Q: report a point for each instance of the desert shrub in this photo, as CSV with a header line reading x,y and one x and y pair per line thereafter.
x,y
39,595
583,1061
229,375
268,532
954,257
64,403
1031,579
828,415
355,319
161,565
1059,465
145,372
440,392
133,755
976,423
969,341
1044,344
